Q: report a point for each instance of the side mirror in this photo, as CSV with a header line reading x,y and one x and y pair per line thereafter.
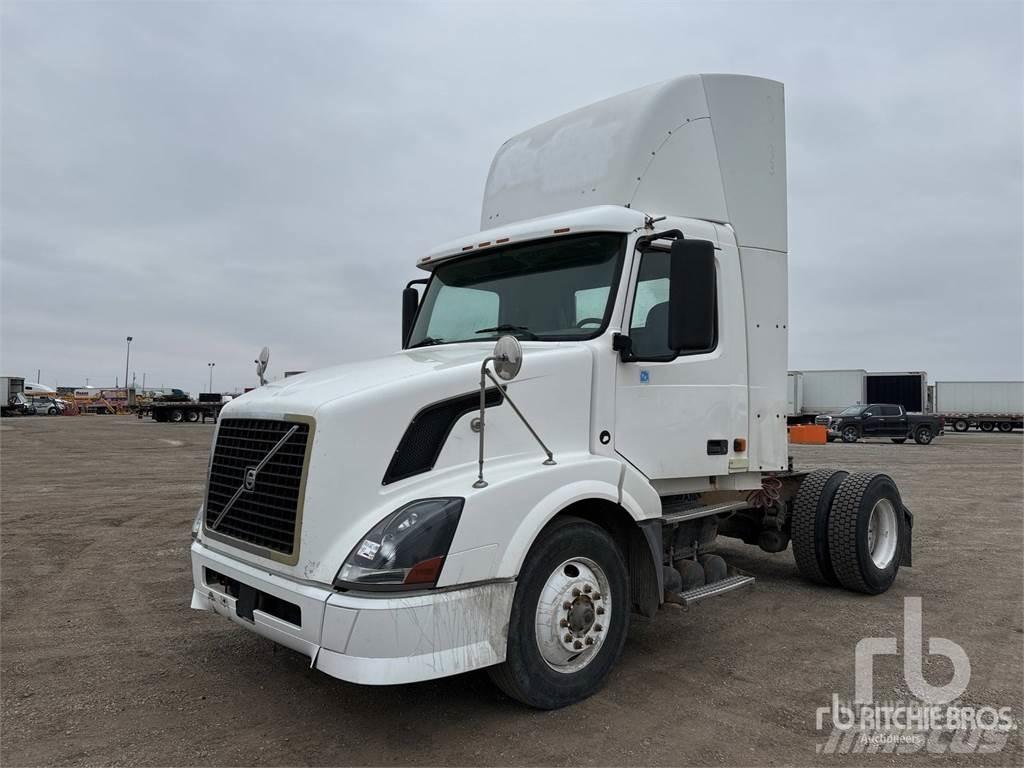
x,y
692,289
410,303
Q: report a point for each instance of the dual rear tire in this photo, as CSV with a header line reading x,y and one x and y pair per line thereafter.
x,y
849,530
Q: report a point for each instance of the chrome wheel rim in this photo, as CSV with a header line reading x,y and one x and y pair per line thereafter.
x,y
883,534
573,615
850,433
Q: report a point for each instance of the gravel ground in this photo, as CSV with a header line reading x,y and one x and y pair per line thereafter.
x,y
103,663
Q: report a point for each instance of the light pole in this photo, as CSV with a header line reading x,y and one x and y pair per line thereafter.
x,y
127,355
210,365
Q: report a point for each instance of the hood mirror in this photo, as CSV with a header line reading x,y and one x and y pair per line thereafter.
x,y
261,364
508,358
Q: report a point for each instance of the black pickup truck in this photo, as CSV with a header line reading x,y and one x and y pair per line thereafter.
x,y
881,420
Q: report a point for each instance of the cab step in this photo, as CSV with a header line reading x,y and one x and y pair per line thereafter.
x,y
677,510
728,584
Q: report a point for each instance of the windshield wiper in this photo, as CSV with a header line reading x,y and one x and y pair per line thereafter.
x,y
426,342
508,328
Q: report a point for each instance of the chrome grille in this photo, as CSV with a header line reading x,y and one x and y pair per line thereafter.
x,y
265,514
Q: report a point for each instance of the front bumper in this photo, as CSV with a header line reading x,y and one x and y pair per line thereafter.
x,y
362,639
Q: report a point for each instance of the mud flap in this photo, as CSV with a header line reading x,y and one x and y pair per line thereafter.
x,y
646,578
905,555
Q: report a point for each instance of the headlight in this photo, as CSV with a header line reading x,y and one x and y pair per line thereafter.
x,y
197,524
406,549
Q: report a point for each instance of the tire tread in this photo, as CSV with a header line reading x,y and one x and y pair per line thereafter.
x,y
804,523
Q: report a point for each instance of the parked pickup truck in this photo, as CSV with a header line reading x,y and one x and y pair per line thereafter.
x,y
881,420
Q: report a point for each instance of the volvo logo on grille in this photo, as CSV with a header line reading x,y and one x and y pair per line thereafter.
x,y
249,479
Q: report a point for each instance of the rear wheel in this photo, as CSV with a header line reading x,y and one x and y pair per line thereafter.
x,y
176,416
899,440
986,426
1005,426
961,425
809,527
850,434
923,435
569,617
191,415
866,531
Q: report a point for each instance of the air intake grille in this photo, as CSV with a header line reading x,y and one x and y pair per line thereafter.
x,y
265,513
426,434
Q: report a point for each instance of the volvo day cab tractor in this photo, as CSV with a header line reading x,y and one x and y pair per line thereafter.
x,y
591,391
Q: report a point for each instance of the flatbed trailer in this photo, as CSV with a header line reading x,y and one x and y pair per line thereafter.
x,y
176,412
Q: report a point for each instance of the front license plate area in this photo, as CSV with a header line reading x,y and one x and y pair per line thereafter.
x,y
246,601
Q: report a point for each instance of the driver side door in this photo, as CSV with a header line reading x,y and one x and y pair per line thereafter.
x,y
680,415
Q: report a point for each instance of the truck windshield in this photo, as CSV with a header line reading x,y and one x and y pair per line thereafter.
x,y
554,290
853,410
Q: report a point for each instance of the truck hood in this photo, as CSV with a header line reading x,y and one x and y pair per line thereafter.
x,y
360,412
308,392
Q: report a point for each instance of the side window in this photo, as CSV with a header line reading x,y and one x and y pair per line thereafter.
x,y
459,312
871,412
591,303
890,410
648,325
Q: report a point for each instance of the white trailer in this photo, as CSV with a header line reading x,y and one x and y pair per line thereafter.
x,y
10,389
590,391
829,392
987,405
794,394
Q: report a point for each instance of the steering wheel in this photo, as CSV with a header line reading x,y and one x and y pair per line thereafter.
x,y
586,320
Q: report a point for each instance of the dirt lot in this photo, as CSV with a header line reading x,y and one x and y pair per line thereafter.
x,y
103,662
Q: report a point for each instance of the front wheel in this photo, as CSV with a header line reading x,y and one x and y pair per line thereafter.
x,y
569,617
850,434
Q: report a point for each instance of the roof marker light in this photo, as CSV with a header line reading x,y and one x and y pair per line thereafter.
x,y
484,244
502,240
561,231
468,248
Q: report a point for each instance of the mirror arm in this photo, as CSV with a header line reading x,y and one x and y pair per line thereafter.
x,y
550,456
480,482
484,375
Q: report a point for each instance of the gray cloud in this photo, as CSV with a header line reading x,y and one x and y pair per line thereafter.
x,y
210,178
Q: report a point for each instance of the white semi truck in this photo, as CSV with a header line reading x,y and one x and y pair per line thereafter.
x,y
465,504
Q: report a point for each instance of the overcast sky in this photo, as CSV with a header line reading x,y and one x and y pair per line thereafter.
x,y
210,178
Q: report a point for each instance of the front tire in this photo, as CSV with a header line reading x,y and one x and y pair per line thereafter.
x,y
850,434
866,532
570,616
